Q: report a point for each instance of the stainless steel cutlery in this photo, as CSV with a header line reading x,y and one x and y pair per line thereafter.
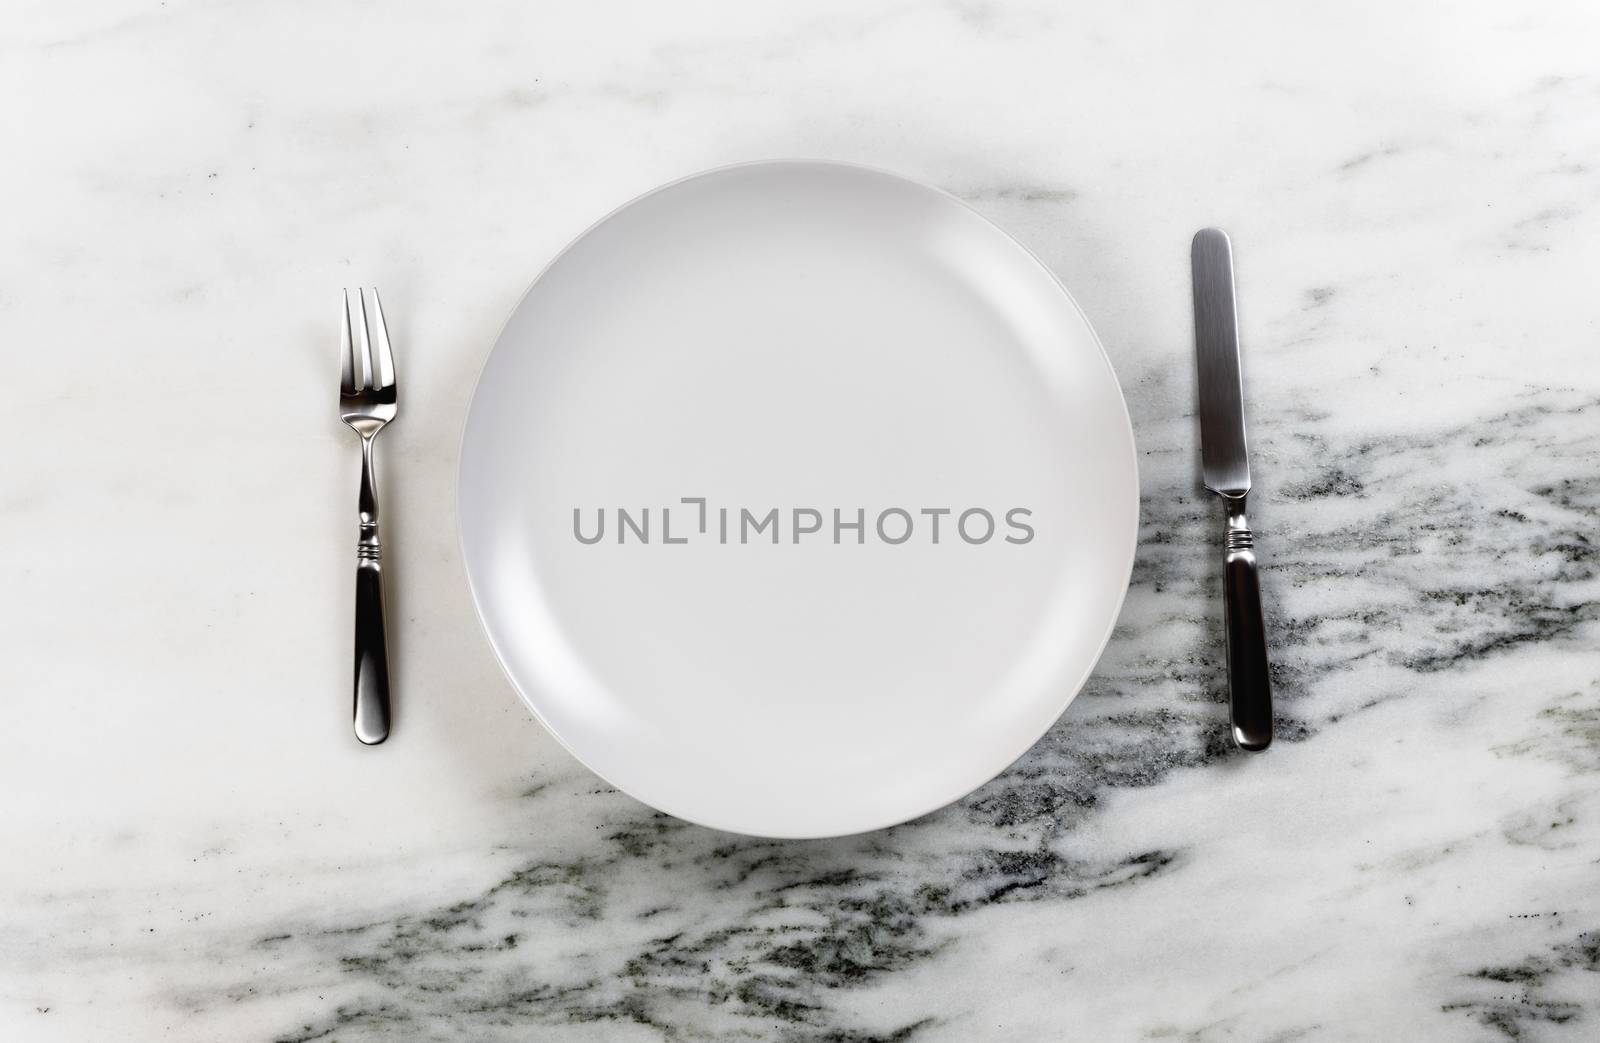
x,y
367,402
1225,463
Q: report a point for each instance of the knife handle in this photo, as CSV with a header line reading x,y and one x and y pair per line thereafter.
x,y
1249,689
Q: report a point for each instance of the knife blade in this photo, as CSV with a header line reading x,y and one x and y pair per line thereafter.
x,y
1225,467
1224,455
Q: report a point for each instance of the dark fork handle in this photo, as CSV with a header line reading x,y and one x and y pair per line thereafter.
x,y
372,655
1249,690
372,635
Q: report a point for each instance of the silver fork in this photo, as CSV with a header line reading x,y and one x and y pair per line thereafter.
x,y
366,403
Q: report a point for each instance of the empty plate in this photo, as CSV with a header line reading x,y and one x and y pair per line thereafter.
x,y
797,499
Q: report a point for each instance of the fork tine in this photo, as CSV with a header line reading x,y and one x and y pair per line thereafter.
x,y
362,344
383,355
347,382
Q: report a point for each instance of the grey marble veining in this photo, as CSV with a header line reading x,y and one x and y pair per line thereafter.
x,y
195,848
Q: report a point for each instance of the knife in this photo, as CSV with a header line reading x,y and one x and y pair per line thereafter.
x,y
1225,464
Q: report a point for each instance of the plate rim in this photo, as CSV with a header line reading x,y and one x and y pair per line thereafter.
x,y
1133,523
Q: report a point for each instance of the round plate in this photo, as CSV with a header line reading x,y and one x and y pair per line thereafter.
x,y
797,499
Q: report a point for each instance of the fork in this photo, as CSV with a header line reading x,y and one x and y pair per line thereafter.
x,y
366,403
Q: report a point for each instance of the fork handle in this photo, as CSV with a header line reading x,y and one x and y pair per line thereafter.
x,y
372,638
1249,689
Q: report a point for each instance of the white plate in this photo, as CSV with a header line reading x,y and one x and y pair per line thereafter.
x,y
806,337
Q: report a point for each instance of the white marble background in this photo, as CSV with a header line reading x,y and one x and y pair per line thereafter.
x,y
194,848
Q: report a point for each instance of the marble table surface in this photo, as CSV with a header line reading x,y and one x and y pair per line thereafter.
x,y
196,849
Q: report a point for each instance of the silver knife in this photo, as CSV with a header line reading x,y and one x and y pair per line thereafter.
x,y
1225,463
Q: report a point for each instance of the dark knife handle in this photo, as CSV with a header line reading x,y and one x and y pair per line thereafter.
x,y
1249,689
